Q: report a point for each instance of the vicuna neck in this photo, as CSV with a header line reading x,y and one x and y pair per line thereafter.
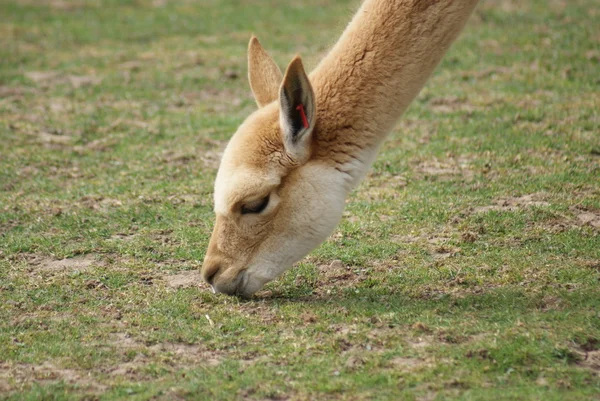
x,y
375,70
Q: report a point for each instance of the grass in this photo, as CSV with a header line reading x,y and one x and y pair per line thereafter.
x,y
467,265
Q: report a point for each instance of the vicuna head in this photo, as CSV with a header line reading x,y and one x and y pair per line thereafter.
x,y
284,176
274,202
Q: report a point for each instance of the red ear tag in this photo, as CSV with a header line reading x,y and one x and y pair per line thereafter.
x,y
300,108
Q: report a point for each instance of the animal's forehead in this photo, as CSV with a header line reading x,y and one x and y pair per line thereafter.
x,y
239,182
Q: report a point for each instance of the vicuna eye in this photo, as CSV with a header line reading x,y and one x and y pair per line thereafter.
x,y
256,206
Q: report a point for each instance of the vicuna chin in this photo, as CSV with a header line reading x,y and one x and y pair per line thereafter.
x,y
286,172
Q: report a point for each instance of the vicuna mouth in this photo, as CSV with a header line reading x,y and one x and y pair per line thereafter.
x,y
235,287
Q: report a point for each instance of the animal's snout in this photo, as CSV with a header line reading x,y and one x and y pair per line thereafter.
x,y
221,278
210,272
221,272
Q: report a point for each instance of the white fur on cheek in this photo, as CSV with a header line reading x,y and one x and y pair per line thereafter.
x,y
313,206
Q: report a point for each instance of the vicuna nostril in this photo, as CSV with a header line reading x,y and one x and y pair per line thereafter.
x,y
210,274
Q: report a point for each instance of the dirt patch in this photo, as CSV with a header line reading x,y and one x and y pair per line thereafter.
x,y
437,245
78,81
407,364
131,65
177,158
98,145
184,279
49,372
191,199
123,237
4,386
354,362
42,77
558,223
336,275
190,352
588,218
451,104
211,156
176,355
591,361
58,105
444,252
39,319
80,263
221,99
124,341
264,314
97,202
551,303
426,238
446,169
436,167
62,5
561,222
54,138
130,368
380,187
211,159
335,271
421,342
213,99
427,397
185,352
14,91
481,354
513,203
496,72
51,78
375,192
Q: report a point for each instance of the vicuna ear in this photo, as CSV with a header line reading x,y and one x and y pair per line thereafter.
x,y
297,110
263,74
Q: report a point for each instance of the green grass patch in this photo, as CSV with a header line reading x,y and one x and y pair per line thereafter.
x,y
467,265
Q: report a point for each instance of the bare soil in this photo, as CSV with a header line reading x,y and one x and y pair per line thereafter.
x,y
80,263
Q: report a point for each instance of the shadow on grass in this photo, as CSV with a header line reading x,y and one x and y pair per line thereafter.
x,y
510,301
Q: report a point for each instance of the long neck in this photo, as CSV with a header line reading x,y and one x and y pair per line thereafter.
x,y
375,70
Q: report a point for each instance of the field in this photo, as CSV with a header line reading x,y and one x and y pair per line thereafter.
x,y
467,264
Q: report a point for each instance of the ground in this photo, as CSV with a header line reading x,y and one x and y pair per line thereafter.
x,y
466,266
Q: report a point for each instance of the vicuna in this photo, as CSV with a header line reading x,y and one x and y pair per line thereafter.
x,y
285,174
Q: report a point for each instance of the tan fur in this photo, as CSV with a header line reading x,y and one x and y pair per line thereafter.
x,y
353,99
